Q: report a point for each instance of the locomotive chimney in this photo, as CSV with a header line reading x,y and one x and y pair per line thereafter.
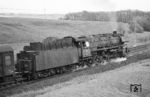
x,y
114,32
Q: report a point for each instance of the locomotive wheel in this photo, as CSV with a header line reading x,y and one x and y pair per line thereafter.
x,y
35,76
57,71
124,54
29,78
115,55
89,62
84,64
52,71
96,59
61,70
101,59
49,73
75,66
108,58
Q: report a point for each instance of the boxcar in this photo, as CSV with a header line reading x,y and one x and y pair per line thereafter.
x,y
7,68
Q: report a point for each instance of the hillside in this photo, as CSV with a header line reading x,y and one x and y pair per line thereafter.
x,y
16,30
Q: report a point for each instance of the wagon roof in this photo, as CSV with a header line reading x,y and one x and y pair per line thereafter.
x,y
5,48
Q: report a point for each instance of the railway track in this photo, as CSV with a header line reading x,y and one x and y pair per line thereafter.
x,y
133,50
139,48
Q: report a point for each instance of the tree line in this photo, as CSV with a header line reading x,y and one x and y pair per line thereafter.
x,y
139,21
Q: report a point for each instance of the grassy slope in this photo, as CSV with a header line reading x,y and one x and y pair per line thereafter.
x,y
116,84
27,30
138,38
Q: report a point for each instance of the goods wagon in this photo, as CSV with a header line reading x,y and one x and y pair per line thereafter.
x,y
7,67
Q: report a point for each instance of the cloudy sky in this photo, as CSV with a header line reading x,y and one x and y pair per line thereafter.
x,y
65,6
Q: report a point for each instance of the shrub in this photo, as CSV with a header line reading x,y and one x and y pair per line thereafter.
x,y
136,27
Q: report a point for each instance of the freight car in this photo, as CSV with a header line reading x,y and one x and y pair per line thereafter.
x,y
56,56
7,66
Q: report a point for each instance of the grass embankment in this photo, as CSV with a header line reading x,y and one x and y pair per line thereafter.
x,y
138,38
27,30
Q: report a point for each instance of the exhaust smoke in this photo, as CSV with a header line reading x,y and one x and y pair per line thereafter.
x,y
119,60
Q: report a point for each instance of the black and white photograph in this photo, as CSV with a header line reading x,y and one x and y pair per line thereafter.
x,y
74,48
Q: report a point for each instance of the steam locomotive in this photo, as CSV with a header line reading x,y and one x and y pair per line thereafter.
x,y
56,56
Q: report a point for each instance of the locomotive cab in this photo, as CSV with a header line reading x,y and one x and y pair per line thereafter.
x,y
84,44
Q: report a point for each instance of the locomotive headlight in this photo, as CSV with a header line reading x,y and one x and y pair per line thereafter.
x,y
87,44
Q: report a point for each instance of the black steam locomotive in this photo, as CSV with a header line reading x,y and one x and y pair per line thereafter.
x,y
56,56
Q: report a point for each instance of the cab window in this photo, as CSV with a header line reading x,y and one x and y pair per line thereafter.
x,y
7,60
86,44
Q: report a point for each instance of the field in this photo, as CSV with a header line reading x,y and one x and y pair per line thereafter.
x,y
18,30
25,30
114,83
135,39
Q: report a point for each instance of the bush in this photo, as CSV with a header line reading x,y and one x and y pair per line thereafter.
x,y
136,27
144,22
144,39
141,18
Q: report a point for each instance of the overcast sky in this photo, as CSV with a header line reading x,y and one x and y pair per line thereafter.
x,y
65,6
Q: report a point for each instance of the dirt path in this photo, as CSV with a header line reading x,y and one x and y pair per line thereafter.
x,y
114,83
